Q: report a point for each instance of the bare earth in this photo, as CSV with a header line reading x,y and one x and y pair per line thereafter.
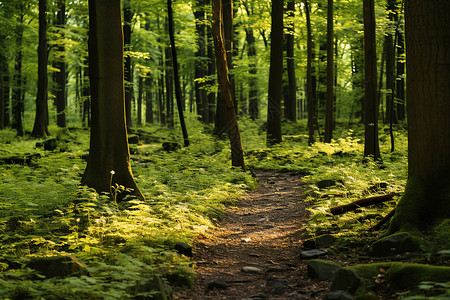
x,y
263,231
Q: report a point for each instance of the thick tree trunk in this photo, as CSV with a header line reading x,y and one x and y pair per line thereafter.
x,y
329,109
309,82
109,156
391,115
40,128
427,195
291,100
274,135
237,154
371,144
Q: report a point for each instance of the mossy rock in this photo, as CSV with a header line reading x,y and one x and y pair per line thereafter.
x,y
360,280
395,244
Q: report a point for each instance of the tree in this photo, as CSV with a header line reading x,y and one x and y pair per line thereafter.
x,y
426,199
371,143
309,83
275,75
40,128
61,66
127,19
175,74
291,101
109,155
329,109
237,154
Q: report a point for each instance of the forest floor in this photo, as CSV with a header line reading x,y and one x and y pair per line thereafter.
x,y
255,252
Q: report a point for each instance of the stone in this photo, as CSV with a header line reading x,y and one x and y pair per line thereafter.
x,y
58,266
217,284
49,144
394,244
171,146
321,241
322,269
133,139
345,280
252,270
184,249
338,295
311,254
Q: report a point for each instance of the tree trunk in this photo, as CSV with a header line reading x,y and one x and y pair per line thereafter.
x,y
400,77
391,115
139,100
180,103
200,55
17,104
237,154
291,100
4,85
127,19
426,199
371,144
309,83
60,76
274,135
109,156
149,119
40,128
329,109
169,87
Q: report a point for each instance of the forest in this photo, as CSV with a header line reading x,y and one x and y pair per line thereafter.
x,y
224,149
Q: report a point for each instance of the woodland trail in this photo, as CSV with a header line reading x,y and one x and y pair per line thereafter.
x,y
262,233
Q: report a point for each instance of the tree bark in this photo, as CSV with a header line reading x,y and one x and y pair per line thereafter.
x,y
200,55
109,143
329,109
309,82
338,210
176,76
274,135
426,199
127,19
371,144
40,128
291,100
60,76
237,154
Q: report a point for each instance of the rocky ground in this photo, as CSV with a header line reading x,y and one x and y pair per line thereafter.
x,y
255,253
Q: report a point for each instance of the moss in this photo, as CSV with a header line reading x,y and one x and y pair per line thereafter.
x,y
397,276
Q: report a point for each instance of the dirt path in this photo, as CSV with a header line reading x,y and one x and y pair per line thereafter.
x,y
261,234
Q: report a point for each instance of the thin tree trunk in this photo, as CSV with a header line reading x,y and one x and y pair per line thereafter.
x,y
60,76
309,83
17,105
149,119
169,87
127,19
40,128
139,100
371,143
237,154
291,100
176,76
329,110
274,135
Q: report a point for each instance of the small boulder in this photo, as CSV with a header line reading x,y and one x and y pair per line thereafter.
x,y
49,144
217,284
394,244
322,269
311,254
184,249
252,270
346,280
58,266
133,139
324,184
321,241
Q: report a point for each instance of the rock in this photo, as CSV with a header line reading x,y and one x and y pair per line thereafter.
x,y
171,146
338,295
323,184
322,269
310,254
321,241
217,284
346,280
394,244
58,266
252,270
184,249
49,144
133,139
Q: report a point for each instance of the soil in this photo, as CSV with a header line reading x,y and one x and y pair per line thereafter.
x,y
264,231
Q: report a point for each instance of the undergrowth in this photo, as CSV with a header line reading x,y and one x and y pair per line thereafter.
x,y
129,249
